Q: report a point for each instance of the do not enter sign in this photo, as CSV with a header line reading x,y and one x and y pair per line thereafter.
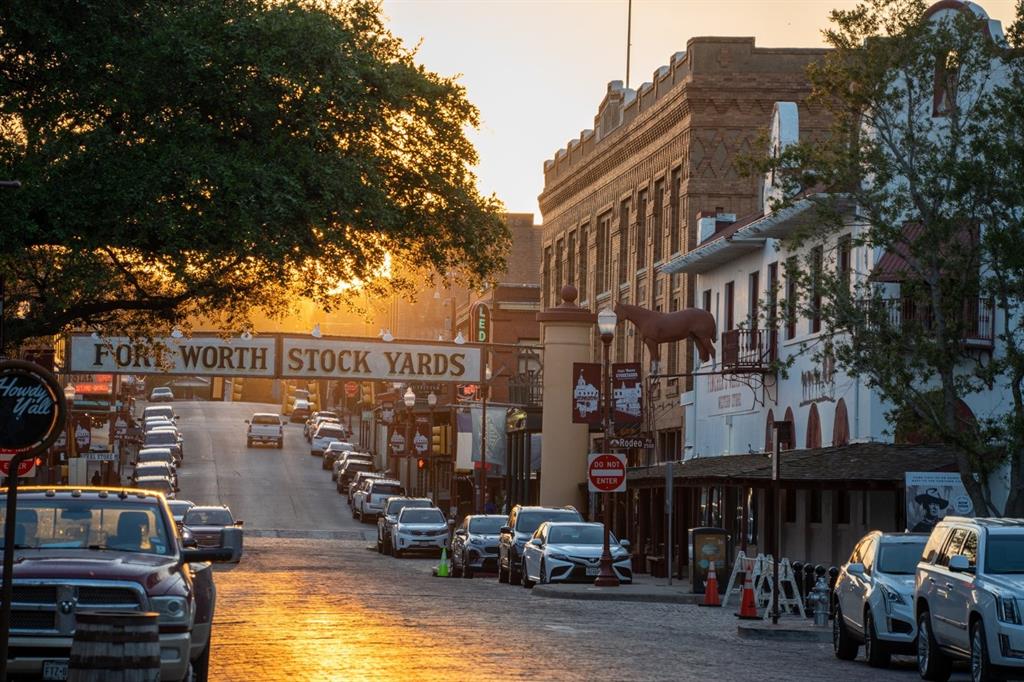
x,y
25,467
606,473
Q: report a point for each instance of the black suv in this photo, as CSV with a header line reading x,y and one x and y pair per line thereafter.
x,y
516,532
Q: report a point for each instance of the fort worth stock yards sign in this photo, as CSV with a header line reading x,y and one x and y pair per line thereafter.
x,y
278,356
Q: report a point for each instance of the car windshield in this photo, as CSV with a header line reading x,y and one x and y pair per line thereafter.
x,y
577,535
900,558
152,469
161,391
386,489
329,432
528,521
208,517
422,516
161,438
179,508
398,505
266,419
340,447
357,466
155,456
1004,553
155,410
327,415
60,523
158,483
486,526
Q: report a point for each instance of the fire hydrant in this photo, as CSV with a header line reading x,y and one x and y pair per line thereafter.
x,y
819,599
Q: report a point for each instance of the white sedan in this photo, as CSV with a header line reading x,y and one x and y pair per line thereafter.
x,y
568,551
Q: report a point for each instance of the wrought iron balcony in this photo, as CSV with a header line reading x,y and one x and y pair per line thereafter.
x,y
977,318
749,350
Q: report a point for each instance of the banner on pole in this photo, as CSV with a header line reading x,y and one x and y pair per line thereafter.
x,y
586,393
627,399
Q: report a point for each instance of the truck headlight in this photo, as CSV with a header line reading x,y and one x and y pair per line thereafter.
x,y
1007,611
172,610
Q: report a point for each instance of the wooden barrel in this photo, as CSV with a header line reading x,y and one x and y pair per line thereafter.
x,y
115,646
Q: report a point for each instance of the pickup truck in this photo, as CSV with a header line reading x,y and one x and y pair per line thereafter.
x,y
81,549
265,427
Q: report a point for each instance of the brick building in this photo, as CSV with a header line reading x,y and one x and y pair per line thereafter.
x,y
624,197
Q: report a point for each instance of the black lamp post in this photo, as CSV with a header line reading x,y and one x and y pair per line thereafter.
x,y
432,471
409,398
606,321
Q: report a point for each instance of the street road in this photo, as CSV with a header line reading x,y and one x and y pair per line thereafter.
x,y
312,599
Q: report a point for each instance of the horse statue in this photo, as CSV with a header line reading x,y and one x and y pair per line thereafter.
x,y
657,328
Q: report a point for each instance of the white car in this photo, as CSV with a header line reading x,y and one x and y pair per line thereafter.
x,y
874,598
968,598
344,458
571,551
420,529
161,394
265,427
368,500
334,451
324,435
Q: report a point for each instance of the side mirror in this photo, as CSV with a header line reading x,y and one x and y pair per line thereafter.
x,y
537,542
188,540
958,563
239,522
505,529
177,416
624,543
855,568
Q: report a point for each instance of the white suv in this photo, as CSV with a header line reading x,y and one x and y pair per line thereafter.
x,y
368,499
968,597
874,598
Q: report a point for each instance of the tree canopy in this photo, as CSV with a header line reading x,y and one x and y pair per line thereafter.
x,y
209,157
924,168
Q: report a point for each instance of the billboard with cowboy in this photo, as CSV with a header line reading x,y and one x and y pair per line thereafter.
x,y
931,496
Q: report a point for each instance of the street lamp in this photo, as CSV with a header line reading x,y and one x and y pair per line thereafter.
x,y
459,338
409,398
606,320
485,387
388,338
432,403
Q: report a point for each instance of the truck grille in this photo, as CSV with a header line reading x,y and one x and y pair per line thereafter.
x,y
33,620
107,596
50,609
35,594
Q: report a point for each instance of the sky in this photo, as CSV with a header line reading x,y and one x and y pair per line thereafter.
x,y
537,69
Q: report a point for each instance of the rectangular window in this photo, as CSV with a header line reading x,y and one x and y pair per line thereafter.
x,y
844,260
817,263
675,225
641,230
673,347
753,297
624,241
814,505
657,235
727,313
789,505
559,263
571,254
791,298
581,258
841,510
705,300
546,276
604,225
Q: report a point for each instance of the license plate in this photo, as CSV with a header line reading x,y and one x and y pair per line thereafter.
x,y
593,571
55,670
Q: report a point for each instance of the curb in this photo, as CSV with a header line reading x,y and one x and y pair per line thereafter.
x,y
784,633
622,593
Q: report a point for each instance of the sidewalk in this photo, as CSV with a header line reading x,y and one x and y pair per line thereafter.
x,y
643,589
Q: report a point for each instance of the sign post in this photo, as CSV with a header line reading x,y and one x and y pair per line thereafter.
x,y
32,415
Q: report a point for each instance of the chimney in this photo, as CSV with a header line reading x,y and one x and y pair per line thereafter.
x,y
705,225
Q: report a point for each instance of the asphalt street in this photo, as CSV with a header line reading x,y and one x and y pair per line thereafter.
x,y
313,600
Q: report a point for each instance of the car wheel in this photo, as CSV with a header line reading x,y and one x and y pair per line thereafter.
x,y
353,513
981,667
842,644
932,664
502,574
525,579
874,650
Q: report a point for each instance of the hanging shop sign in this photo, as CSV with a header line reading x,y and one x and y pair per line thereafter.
x,y
31,407
481,318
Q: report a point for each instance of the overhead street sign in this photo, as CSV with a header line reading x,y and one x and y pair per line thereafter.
x,y
606,473
631,442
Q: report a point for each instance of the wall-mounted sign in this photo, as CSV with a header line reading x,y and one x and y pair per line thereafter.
x,y
627,398
481,321
586,393
931,496
421,439
31,407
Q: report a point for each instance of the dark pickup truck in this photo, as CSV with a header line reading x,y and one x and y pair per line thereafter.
x,y
79,549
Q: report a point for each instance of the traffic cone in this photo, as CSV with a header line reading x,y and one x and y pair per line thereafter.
x,y
748,611
711,588
442,566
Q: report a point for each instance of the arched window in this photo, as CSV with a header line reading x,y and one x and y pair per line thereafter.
x,y
813,429
769,442
841,425
792,430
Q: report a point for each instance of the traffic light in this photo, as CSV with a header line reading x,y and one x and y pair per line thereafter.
x,y
439,440
421,463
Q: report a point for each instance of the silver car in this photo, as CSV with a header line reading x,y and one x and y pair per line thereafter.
x,y
874,598
419,529
563,552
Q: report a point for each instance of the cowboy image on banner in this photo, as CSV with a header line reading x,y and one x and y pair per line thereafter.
x,y
933,495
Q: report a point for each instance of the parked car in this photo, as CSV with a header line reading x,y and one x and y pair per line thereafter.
x,y
161,438
518,529
158,422
564,552
360,478
386,521
968,598
265,427
300,411
874,598
368,501
178,509
207,523
160,484
154,455
93,550
159,411
349,471
314,421
322,437
334,450
161,394
418,529
475,544
345,457
155,469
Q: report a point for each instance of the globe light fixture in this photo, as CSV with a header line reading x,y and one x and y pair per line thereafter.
x,y
316,333
409,398
388,336
432,399
460,339
176,333
606,321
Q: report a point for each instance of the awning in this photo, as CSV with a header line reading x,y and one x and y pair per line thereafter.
x,y
854,466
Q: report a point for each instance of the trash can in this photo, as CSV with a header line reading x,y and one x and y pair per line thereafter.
x,y
707,545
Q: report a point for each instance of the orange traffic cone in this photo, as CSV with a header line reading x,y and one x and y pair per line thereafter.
x,y
748,610
711,588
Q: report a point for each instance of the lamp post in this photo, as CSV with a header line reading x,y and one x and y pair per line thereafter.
x,y
606,320
409,398
485,388
432,403
71,446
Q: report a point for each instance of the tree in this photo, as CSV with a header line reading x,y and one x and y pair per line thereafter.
x,y
924,166
213,157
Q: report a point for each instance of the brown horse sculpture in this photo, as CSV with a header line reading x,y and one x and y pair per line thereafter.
x,y
657,328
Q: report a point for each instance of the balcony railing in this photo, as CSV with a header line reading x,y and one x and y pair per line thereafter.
x,y
748,350
977,318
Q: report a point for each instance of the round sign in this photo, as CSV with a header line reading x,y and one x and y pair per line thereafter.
x,y
32,407
351,388
607,473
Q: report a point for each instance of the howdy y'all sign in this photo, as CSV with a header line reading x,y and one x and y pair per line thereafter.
x,y
30,407
280,356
